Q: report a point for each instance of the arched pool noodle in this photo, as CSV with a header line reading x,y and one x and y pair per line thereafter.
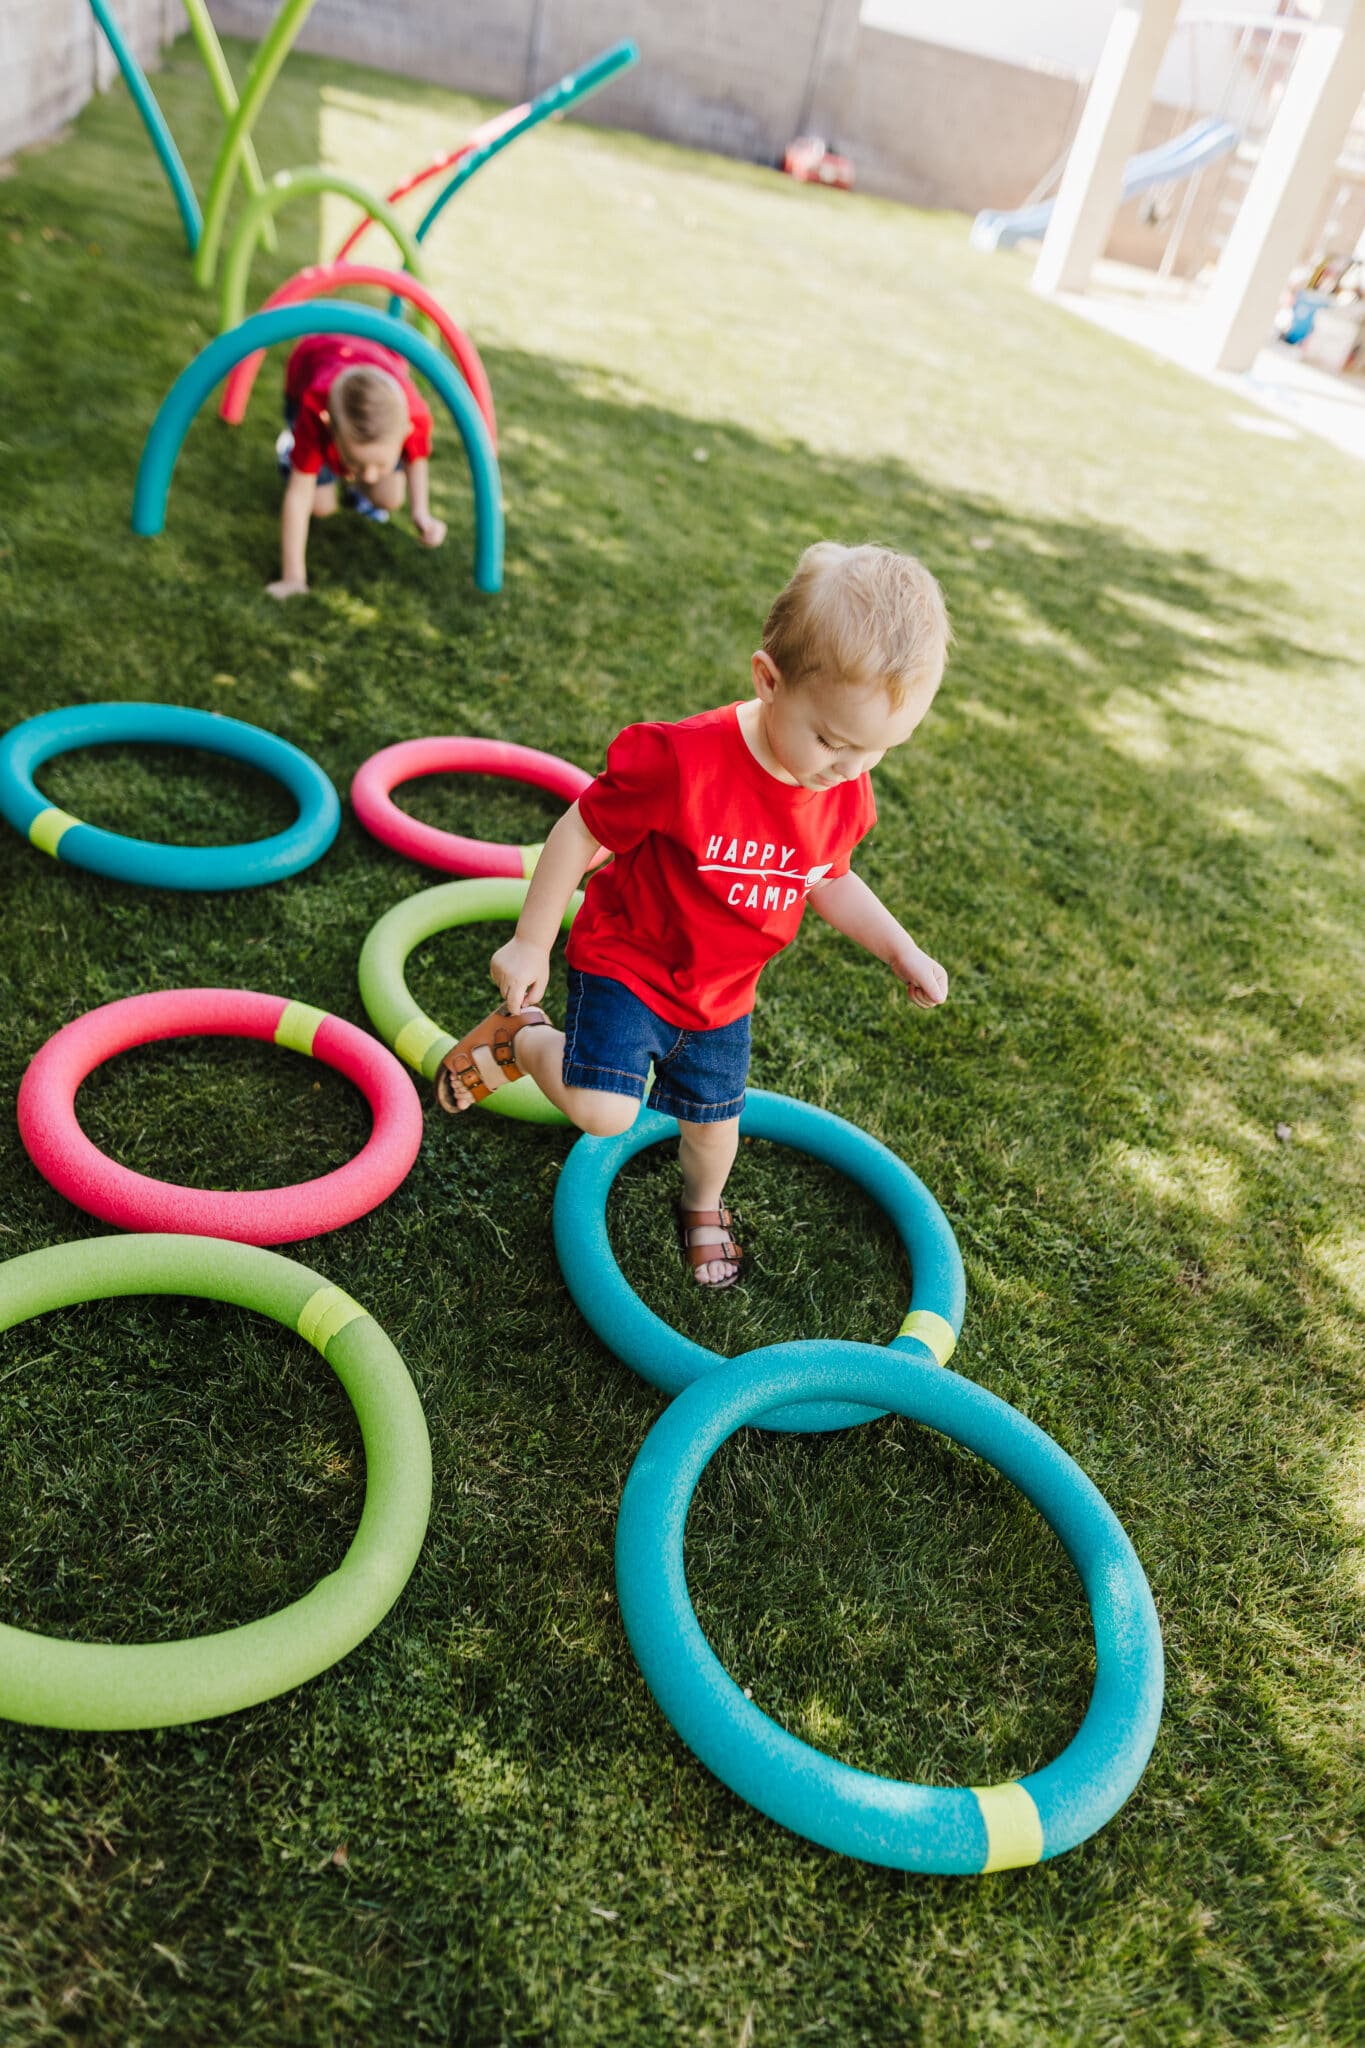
x,y
271,52
486,131
321,278
575,85
285,186
287,323
225,92
154,121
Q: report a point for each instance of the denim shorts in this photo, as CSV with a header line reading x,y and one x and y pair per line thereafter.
x,y
610,1038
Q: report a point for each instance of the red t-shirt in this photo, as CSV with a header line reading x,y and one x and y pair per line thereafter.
x,y
714,861
315,364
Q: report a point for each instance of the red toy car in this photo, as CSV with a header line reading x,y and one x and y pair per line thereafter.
x,y
811,160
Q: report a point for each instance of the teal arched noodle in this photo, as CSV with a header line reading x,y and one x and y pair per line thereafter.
x,y
154,121
575,85
287,323
271,52
948,1830
284,187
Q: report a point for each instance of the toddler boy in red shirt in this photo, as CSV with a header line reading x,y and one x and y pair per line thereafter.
x,y
722,827
352,414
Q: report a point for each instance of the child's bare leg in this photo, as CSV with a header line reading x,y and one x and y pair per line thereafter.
x,y
324,501
539,1052
706,1152
388,491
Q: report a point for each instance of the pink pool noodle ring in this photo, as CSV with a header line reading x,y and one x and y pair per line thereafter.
x,y
63,1154
450,852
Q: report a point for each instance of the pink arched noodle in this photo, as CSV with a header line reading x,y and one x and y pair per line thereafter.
x,y
488,132
322,278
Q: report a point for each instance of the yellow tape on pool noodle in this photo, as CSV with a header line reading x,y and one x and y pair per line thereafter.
x,y
324,1314
48,827
934,1331
416,1039
1014,1832
298,1026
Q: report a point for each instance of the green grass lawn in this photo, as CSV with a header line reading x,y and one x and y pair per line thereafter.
x,y
1132,829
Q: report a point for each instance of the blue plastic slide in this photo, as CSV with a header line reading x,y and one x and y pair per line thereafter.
x,y
1170,161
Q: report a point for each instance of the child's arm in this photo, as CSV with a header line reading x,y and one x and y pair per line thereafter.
x,y
850,906
430,531
521,968
295,514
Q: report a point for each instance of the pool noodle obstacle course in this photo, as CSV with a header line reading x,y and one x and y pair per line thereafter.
x,y
287,323
50,1683
207,1241
53,1138
151,863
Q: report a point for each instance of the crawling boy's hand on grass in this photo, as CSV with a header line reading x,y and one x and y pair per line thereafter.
x,y
287,586
430,530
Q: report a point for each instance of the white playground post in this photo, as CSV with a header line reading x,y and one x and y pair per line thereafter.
x,y
1322,94
1111,123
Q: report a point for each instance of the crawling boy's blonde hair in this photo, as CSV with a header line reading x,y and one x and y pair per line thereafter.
x,y
368,405
860,615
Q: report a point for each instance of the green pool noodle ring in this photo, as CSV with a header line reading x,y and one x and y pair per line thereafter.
x,y
52,1683
396,1016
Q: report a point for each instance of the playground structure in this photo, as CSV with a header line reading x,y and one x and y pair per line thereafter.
x,y
1168,164
1293,144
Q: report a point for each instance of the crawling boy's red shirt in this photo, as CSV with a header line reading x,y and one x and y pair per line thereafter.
x,y
714,861
314,365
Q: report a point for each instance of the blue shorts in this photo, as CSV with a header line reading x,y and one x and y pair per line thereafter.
x,y
610,1038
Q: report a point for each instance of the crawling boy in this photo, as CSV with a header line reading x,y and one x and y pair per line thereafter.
x,y
354,415
723,827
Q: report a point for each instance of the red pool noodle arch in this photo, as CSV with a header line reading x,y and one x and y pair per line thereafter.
x,y
316,282
488,131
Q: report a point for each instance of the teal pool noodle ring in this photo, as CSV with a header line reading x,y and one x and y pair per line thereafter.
x,y
287,323
932,1829
153,863
662,1355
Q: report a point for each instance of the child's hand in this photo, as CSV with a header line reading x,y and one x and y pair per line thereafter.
x,y
430,531
287,586
521,972
926,983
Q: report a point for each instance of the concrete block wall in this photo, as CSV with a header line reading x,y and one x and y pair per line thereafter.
x,y
53,57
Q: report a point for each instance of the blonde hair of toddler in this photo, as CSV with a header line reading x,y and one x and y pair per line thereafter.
x,y
368,405
860,615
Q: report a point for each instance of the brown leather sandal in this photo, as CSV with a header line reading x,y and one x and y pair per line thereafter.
x,y
498,1032
723,1248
